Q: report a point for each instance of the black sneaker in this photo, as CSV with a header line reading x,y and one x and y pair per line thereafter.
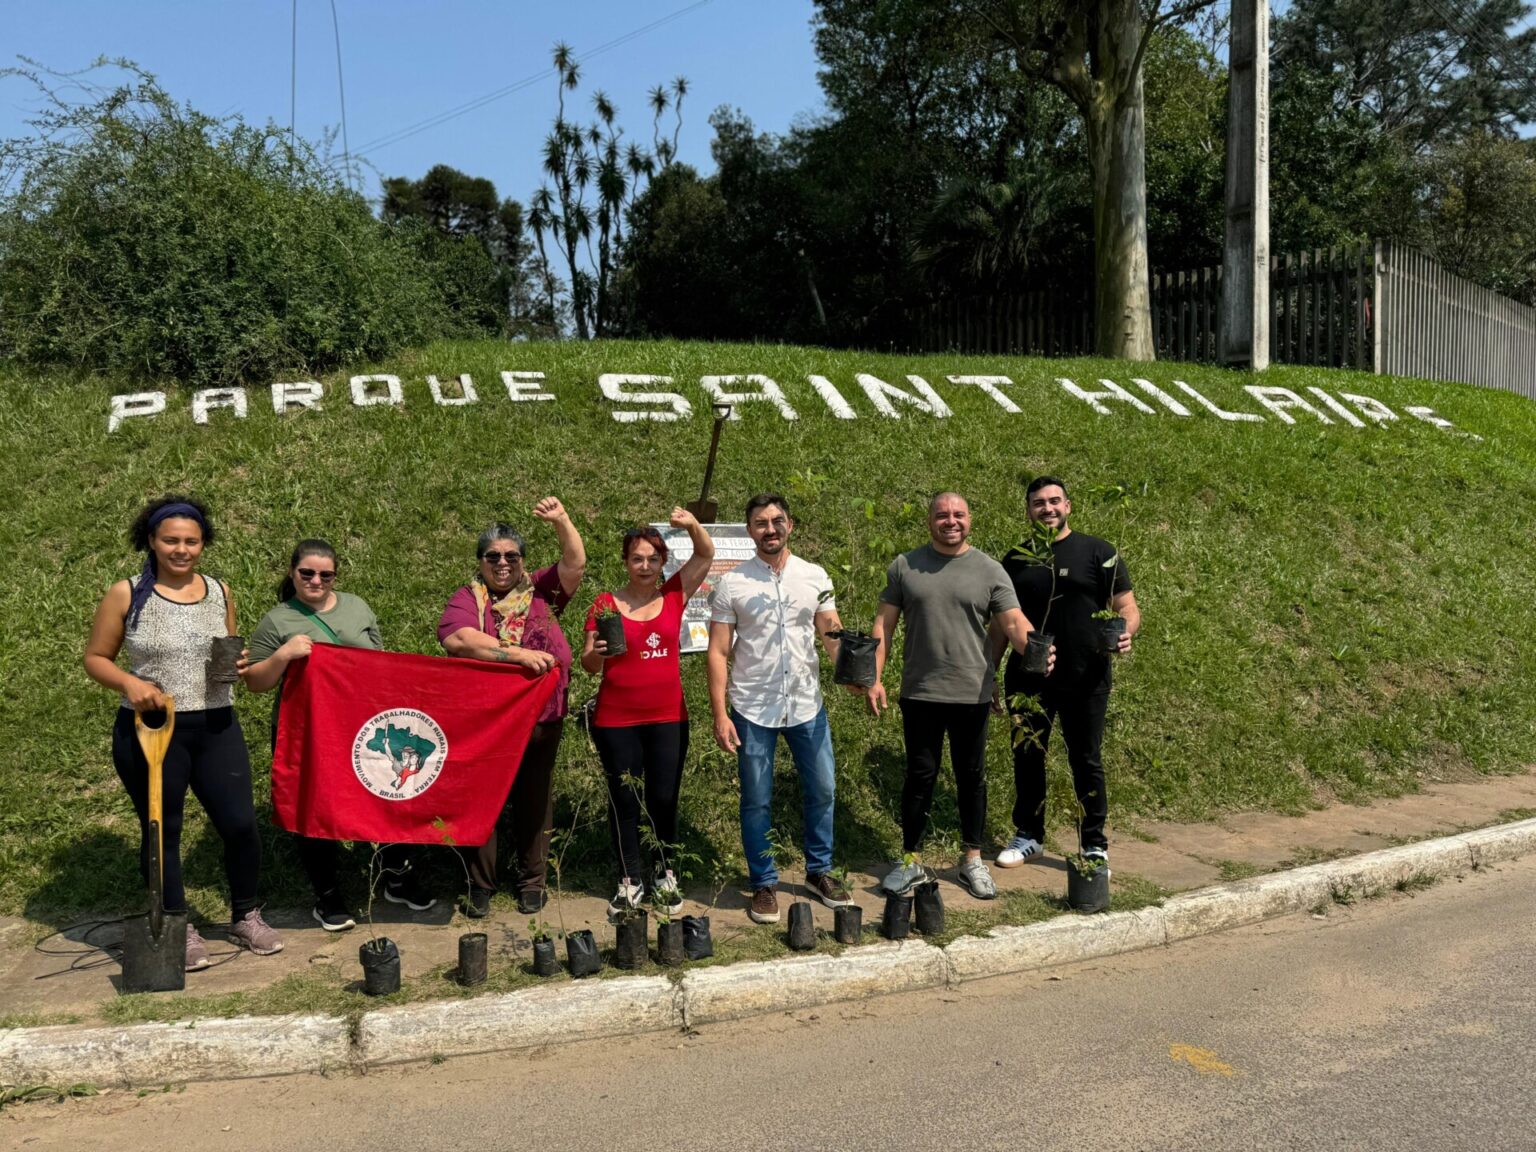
x,y
531,903
331,911
407,890
477,906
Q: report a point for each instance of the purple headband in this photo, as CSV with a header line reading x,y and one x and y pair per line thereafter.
x,y
145,586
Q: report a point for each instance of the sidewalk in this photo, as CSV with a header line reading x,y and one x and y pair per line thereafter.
x,y
1174,857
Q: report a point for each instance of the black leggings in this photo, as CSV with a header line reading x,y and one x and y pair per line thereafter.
x,y
925,723
208,755
644,766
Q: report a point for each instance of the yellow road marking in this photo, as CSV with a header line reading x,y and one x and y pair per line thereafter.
x,y
1202,1060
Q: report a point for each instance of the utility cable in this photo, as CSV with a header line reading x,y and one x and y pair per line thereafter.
x,y
346,153
94,955
527,82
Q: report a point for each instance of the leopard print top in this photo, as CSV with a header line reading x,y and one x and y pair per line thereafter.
x,y
169,646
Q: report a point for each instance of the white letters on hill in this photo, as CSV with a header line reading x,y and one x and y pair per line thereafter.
x,y
633,398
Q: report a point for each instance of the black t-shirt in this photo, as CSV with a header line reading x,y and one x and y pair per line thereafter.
x,y
1084,585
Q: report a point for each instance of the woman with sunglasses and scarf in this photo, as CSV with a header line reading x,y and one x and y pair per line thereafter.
x,y
641,723
167,619
310,610
513,616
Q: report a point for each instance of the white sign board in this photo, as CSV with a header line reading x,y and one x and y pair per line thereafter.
x,y
732,546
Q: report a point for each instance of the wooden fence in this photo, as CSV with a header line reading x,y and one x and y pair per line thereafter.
x,y
1320,312
1026,324
1438,326
1320,309
1379,307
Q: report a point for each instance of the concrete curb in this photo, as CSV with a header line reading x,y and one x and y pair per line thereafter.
x,y
588,1009
729,993
1059,941
525,1019
159,1053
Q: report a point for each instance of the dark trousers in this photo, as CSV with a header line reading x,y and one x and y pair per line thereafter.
x,y
322,862
644,767
207,754
925,723
529,814
1082,727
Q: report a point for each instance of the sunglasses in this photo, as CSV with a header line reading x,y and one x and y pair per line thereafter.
x,y
314,574
498,557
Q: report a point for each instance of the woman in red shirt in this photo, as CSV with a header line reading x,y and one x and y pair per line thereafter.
x,y
641,724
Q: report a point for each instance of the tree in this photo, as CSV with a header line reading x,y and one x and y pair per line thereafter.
x,y
677,267
1479,212
140,237
1093,51
1397,118
1420,70
594,156
463,210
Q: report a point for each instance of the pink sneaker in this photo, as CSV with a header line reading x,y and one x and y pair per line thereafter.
x,y
197,950
256,934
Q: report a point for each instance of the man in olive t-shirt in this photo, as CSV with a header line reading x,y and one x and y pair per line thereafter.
x,y
1089,576
950,594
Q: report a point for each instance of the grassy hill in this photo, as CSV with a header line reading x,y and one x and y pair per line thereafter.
x,y
1331,612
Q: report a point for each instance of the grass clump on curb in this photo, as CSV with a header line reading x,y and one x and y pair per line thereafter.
x,y
43,1093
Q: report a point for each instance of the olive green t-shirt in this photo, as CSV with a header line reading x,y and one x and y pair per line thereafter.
x,y
947,602
352,621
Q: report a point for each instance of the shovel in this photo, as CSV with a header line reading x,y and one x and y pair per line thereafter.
x,y
704,509
155,946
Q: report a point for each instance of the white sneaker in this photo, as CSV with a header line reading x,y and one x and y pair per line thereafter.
x,y
666,893
626,899
1020,849
975,878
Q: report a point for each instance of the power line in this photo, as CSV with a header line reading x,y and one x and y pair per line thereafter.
x,y
526,82
293,75
346,153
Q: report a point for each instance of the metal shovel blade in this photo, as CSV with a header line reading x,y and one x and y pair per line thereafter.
x,y
155,945
704,511
155,963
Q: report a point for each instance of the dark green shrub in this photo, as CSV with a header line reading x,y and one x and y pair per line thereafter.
x,y
141,238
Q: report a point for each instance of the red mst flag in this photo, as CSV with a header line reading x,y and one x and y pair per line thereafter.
x,y
400,749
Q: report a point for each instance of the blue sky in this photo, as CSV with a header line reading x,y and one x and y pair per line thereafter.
x,y
408,62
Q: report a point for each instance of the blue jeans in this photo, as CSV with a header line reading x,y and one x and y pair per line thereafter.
x,y
811,746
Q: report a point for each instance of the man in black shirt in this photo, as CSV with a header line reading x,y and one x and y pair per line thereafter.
x,y
1086,576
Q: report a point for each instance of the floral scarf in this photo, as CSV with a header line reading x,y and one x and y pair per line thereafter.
x,y
512,608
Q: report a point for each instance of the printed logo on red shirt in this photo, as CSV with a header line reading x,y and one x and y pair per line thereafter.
x,y
653,642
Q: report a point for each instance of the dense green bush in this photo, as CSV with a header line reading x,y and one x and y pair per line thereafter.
x,y
147,240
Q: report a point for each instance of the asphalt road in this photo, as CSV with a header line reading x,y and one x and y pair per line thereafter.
x,y
1406,1022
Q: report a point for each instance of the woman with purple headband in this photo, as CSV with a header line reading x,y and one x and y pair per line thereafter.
x,y
167,620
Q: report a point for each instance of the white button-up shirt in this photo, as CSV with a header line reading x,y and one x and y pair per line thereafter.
x,y
775,668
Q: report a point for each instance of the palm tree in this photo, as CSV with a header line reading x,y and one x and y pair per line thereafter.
x,y
979,234
541,217
660,101
679,90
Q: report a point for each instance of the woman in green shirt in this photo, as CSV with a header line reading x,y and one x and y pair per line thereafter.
x,y
311,610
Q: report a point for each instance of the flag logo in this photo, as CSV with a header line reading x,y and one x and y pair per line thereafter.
x,y
398,754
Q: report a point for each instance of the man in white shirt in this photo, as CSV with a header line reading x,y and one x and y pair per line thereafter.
x,y
765,617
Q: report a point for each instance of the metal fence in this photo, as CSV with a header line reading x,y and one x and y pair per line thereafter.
x,y
1437,326
1379,307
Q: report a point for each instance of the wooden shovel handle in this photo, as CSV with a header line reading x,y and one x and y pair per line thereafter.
x,y
154,742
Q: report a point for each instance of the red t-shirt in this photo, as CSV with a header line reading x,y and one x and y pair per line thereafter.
x,y
645,685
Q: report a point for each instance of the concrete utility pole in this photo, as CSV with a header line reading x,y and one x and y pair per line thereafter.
x,y
1245,267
